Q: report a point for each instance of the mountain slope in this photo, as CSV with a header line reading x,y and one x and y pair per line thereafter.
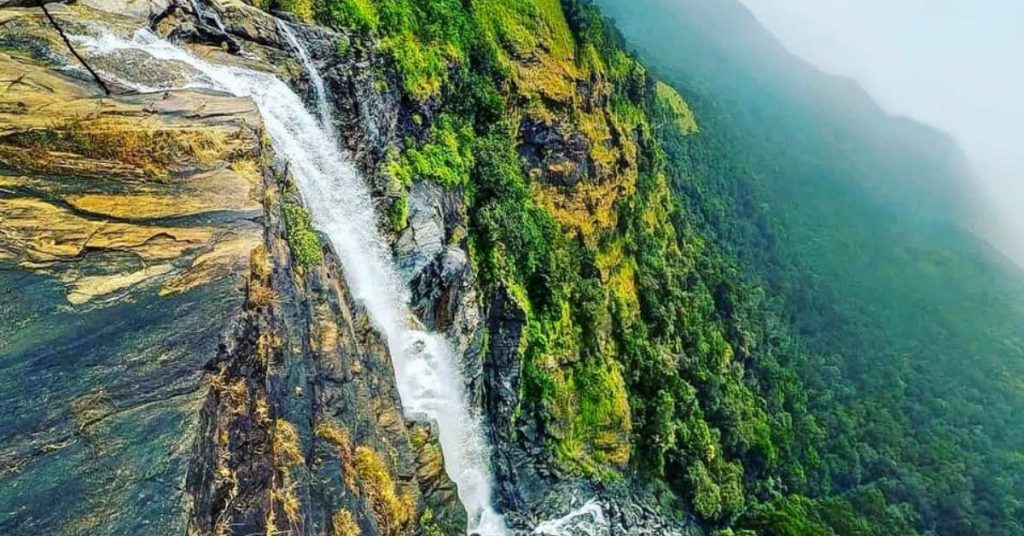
x,y
865,244
701,307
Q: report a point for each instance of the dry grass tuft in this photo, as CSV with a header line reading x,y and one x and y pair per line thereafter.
x,y
286,450
262,410
286,446
260,264
289,503
152,151
261,295
344,524
393,511
339,436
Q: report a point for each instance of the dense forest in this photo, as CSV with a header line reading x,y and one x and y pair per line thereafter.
x,y
743,279
909,326
662,276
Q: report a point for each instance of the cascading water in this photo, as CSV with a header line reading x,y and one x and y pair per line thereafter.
x,y
323,107
206,14
429,381
588,519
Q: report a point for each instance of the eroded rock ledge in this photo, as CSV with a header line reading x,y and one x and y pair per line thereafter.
x,y
166,366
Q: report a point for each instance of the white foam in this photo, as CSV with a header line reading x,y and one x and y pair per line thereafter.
x,y
588,519
429,380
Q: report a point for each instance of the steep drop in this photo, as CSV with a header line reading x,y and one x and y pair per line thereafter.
x,y
428,379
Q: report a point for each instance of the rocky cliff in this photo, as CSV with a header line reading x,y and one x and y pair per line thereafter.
x,y
172,361
182,348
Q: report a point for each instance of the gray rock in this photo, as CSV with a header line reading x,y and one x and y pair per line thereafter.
x,y
142,10
558,157
422,240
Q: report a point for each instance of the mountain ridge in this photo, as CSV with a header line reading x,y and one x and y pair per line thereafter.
x,y
874,275
684,299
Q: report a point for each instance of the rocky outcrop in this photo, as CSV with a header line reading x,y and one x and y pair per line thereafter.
x,y
505,326
423,238
165,362
366,102
553,155
126,224
173,369
331,439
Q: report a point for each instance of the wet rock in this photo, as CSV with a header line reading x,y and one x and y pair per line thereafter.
x,y
121,246
143,10
439,492
502,374
165,365
364,92
423,238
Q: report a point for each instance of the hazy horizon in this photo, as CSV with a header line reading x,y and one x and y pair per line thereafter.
x,y
952,65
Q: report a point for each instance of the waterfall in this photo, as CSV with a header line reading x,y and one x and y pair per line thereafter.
x,y
323,106
588,519
206,14
429,380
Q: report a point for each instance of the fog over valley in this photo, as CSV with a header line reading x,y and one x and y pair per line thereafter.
x,y
951,64
511,267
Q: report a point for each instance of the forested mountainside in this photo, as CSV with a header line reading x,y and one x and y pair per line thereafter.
x,y
729,296
852,369
853,221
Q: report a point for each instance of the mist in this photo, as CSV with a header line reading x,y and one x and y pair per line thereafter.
x,y
952,64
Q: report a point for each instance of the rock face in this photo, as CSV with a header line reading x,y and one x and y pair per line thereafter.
x,y
558,157
166,366
126,224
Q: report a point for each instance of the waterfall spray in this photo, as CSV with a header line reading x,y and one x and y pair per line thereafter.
x,y
429,381
323,106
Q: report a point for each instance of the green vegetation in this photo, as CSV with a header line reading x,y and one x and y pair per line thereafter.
x,y
399,212
423,40
428,525
393,509
625,356
302,9
670,108
746,310
879,333
446,157
302,238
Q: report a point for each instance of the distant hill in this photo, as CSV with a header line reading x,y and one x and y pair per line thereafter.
x,y
855,220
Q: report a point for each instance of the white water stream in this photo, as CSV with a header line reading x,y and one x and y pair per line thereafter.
x,y
588,519
429,379
323,106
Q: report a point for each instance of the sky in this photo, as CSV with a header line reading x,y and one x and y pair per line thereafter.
x,y
957,65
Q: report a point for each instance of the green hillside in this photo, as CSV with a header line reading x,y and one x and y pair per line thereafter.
x,y
852,221
759,294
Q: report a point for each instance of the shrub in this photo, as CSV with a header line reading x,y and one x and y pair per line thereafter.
x,y
344,524
286,448
302,9
339,436
446,157
304,242
398,216
392,510
359,14
428,526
